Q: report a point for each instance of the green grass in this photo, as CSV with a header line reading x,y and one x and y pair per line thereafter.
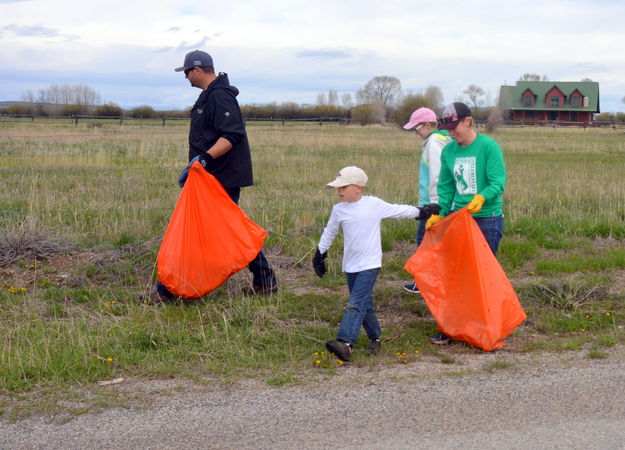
x,y
90,204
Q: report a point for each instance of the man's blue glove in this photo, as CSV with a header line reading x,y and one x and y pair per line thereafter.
x,y
182,179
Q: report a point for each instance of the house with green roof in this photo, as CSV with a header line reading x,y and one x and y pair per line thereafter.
x,y
540,102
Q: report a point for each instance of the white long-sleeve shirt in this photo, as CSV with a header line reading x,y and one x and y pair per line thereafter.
x,y
361,230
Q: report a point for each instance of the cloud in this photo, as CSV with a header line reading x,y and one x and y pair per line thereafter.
x,y
326,53
36,31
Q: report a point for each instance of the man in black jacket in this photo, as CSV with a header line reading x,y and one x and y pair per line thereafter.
x,y
218,139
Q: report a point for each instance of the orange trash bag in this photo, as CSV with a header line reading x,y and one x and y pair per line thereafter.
x,y
463,285
208,238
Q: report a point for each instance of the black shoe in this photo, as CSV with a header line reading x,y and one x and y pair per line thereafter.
x,y
412,288
374,347
260,290
163,293
440,339
342,350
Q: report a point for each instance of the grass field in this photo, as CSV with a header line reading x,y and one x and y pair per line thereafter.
x,y
83,209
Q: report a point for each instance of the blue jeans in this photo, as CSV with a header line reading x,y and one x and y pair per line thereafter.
x,y
492,229
359,311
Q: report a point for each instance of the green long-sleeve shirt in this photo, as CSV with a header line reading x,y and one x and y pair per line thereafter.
x,y
475,169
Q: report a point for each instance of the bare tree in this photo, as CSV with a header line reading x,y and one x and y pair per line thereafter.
x,y
346,101
321,98
476,94
333,98
623,99
533,77
381,90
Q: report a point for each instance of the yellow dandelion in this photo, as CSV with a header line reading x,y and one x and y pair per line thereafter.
x,y
587,316
109,359
318,362
403,353
608,313
417,351
397,354
316,353
323,353
583,330
339,362
12,289
534,335
22,289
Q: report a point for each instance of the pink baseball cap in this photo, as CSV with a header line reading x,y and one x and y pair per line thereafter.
x,y
419,116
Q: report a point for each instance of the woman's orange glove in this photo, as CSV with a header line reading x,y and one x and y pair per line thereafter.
x,y
434,218
475,205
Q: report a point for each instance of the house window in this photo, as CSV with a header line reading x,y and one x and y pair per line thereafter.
x,y
555,101
527,100
530,115
573,115
576,101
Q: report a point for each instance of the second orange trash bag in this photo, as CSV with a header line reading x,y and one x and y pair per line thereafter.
x,y
465,288
208,238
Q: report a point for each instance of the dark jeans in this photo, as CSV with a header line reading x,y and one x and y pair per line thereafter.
x,y
492,229
359,310
262,274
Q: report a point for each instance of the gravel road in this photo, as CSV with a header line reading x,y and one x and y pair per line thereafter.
x,y
552,401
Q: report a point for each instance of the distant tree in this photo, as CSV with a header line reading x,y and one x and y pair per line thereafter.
x,y
475,94
21,109
408,105
623,99
73,110
333,98
54,98
108,110
321,99
383,90
346,101
533,77
368,114
495,118
585,80
435,96
620,117
605,117
145,111
288,110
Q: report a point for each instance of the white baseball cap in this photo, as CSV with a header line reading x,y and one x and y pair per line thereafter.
x,y
349,175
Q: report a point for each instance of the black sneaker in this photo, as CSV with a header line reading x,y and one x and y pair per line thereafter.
x,y
412,288
163,293
374,347
440,339
342,350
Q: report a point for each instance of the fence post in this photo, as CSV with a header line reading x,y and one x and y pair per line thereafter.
x,y
163,121
76,120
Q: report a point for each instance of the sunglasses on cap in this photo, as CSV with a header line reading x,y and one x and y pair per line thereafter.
x,y
449,118
186,71
418,127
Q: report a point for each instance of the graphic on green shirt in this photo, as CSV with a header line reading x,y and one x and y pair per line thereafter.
x,y
464,172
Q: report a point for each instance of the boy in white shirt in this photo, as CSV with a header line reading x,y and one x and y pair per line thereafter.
x,y
360,217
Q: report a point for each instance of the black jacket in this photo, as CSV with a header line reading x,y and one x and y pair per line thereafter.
x,y
216,114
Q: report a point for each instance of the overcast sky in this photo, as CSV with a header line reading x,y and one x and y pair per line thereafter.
x,y
291,50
